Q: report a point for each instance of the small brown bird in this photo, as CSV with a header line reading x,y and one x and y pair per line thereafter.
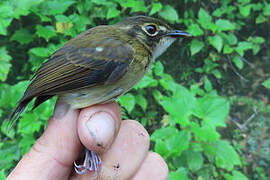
x,y
99,65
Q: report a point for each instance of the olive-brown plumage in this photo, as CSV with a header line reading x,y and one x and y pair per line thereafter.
x,y
100,64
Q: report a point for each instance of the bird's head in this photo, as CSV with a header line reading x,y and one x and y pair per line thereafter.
x,y
153,33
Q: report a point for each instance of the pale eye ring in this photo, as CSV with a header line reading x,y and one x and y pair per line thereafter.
x,y
151,30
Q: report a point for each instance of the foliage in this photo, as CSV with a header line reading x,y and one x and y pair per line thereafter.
x,y
266,83
187,121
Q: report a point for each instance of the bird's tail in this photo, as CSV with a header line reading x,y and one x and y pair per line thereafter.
x,y
22,105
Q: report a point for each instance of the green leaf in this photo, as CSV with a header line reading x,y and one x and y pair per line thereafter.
x,y
209,150
161,148
79,23
6,10
213,110
158,68
62,18
195,30
57,7
141,101
232,39
169,13
156,7
226,157
181,173
6,130
196,46
224,25
9,152
227,49
243,46
45,31
105,2
266,10
238,175
213,27
23,7
29,123
128,102
216,41
218,12
266,83
258,40
180,105
2,174
40,51
242,2
147,81
261,19
237,60
139,6
42,17
204,132
163,133
45,110
4,63
196,90
167,82
178,142
22,36
196,147
257,6
157,95
10,95
207,84
245,10
135,5
112,13
255,49
26,143
6,16
4,23
204,18
217,73
194,160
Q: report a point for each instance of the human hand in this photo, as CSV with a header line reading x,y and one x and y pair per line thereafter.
x,y
122,146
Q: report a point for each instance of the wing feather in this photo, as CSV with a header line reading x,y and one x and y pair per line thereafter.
x,y
71,68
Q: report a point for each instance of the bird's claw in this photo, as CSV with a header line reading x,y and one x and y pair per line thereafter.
x,y
92,162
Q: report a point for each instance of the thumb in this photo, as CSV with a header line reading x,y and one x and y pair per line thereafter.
x,y
54,152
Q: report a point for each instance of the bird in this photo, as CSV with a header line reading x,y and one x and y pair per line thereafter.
x,y
98,66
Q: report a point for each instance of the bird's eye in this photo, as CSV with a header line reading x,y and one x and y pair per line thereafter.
x,y
151,30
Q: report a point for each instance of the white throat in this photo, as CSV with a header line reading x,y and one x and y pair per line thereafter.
x,y
164,43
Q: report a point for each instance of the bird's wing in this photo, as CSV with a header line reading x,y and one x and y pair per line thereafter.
x,y
71,67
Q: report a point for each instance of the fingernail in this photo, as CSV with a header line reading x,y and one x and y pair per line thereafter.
x,y
60,110
101,126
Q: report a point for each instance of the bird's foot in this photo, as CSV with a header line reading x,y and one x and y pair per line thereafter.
x,y
92,162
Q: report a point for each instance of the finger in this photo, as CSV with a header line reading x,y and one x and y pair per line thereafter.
x,y
98,126
53,154
126,154
153,167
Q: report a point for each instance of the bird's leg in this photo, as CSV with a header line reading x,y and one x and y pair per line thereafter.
x,y
92,162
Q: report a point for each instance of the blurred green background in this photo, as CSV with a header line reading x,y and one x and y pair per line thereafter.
x,y
205,102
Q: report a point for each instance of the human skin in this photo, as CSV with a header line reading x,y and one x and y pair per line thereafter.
x,y
122,145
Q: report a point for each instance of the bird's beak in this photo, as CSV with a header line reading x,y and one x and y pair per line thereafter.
x,y
178,34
